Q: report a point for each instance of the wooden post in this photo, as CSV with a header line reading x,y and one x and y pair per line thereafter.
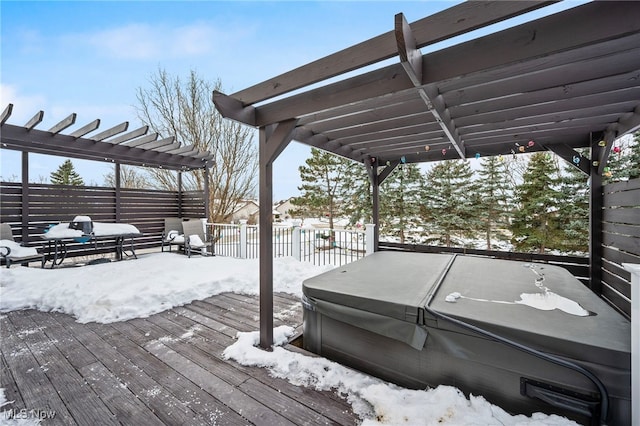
x,y
179,194
25,197
272,141
635,341
595,231
118,177
206,194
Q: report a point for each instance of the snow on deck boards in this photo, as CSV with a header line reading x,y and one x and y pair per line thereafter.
x,y
165,369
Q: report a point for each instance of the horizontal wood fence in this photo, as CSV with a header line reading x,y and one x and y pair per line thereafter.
x,y
620,241
51,204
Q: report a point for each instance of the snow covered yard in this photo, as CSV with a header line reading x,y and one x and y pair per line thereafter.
x,y
141,327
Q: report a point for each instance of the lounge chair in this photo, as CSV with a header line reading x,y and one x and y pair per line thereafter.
x,y
196,238
12,252
173,233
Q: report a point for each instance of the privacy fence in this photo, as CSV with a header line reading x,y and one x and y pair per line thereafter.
x,y
31,209
620,241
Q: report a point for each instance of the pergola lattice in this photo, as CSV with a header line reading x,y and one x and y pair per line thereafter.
x,y
136,148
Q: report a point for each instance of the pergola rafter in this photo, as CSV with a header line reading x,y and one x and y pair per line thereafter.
x,y
136,148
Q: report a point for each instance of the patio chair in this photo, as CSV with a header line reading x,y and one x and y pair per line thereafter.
x,y
12,252
196,238
173,233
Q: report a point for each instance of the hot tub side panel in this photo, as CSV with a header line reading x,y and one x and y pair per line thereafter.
x,y
457,358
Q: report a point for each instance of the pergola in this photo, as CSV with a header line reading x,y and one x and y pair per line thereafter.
x,y
114,145
566,81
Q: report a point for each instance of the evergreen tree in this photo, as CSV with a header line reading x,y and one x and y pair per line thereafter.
x,y
633,171
495,192
322,183
400,196
450,209
573,210
535,224
625,163
66,175
355,194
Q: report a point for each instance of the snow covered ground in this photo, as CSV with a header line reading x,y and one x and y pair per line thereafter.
x,y
120,291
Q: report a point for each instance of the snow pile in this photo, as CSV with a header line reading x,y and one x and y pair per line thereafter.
x,y
62,230
18,418
119,291
17,250
373,400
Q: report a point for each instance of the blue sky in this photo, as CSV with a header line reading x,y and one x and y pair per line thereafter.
x,y
91,57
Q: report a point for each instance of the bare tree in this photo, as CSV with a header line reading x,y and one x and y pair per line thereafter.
x,y
130,177
185,109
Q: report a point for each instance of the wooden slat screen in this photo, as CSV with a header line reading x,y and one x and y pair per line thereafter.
x,y
620,241
51,204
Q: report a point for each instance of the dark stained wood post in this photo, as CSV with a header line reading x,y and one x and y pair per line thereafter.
x,y
206,193
272,141
179,194
595,227
25,197
118,184
372,168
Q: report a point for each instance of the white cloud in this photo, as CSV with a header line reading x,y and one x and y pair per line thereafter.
x,y
147,42
24,106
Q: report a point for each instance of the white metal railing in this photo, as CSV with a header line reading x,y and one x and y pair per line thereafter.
x,y
318,246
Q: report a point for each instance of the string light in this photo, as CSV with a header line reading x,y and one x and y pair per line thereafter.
x,y
427,147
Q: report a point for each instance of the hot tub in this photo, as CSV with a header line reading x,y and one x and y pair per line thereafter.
x,y
528,337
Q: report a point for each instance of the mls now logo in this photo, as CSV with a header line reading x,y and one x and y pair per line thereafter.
x,y
23,413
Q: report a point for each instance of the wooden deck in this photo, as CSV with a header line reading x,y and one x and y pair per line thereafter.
x,y
165,369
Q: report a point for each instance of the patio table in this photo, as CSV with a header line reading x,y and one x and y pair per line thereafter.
x,y
58,236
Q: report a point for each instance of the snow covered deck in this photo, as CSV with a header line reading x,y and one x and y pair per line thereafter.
x,y
165,369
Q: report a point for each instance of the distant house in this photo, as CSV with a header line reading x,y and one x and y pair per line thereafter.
x,y
283,209
247,210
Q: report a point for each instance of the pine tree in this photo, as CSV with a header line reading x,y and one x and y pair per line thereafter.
x,y
535,224
450,209
355,195
400,196
322,181
66,175
573,210
624,160
495,192
633,171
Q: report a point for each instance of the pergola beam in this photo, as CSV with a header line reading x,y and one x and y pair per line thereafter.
x,y
122,127
129,136
67,122
142,141
448,23
6,113
35,120
411,60
42,142
86,129
571,156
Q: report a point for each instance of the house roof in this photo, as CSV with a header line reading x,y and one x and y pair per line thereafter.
x,y
135,148
568,80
